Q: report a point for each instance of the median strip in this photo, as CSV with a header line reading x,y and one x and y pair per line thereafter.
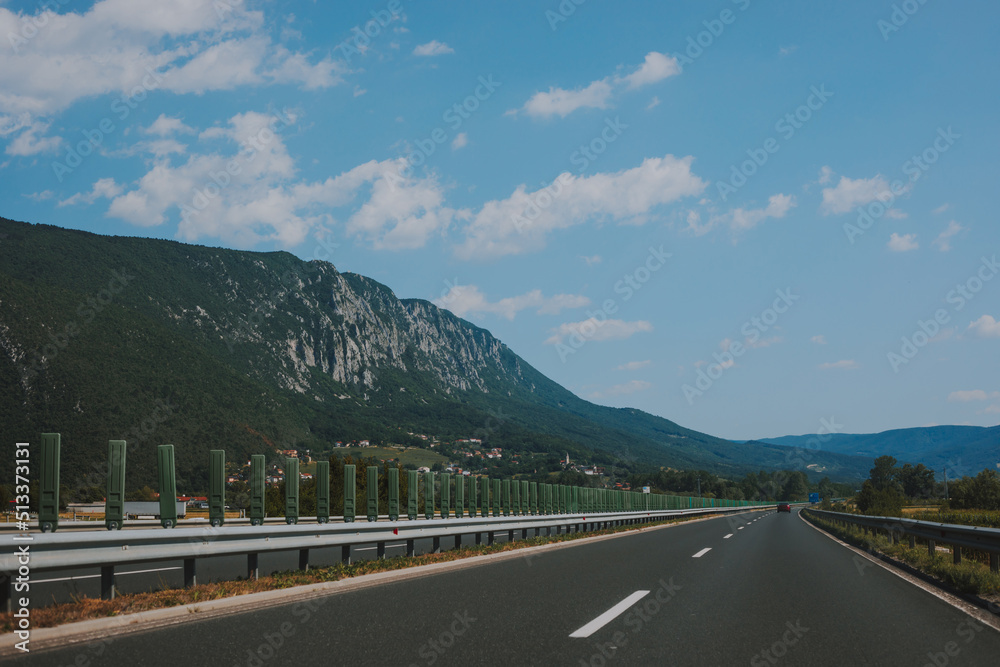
x,y
609,615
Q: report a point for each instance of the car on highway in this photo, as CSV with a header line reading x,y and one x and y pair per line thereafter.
x,y
784,507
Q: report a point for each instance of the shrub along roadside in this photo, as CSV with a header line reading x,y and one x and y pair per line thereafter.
x,y
969,576
89,608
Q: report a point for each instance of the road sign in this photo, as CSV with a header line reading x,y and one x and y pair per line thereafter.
x,y
814,497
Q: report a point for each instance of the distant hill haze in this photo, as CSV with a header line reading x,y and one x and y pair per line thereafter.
x,y
963,450
159,342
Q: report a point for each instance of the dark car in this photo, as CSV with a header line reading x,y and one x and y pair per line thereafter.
x,y
784,507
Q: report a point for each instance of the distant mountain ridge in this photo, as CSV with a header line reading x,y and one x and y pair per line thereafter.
x,y
255,352
963,450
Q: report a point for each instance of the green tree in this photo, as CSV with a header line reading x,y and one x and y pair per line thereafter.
x,y
883,475
917,481
875,502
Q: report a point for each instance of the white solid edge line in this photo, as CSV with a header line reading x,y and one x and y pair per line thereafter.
x,y
727,536
94,576
702,552
609,615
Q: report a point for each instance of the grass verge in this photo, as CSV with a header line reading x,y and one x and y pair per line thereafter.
x,y
88,608
969,576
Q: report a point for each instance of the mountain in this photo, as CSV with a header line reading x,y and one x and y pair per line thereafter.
x,y
964,450
156,342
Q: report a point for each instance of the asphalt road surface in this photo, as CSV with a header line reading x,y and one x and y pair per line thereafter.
x,y
771,592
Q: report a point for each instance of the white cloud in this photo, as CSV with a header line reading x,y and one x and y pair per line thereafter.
x,y
656,67
653,103
560,102
634,365
592,260
118,47
943,241
904,243
778,206
105,188
849,193
464,299
847,364
761,342
785,51
597,95
461,140
825,175
259,200
166,125
28,142
819,340
433,48
625,389
598,330
971,395
986,327
941,209
521,222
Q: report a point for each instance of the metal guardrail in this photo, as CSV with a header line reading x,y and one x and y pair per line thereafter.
x,y
959,537
108,549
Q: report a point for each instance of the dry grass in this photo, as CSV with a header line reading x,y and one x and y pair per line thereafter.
x,y
88,608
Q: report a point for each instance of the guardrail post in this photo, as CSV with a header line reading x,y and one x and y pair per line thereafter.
x,y
459,502
291,491
505,499
913,542
371,487
931,548
323,491
253,566
256,489
392,493
168,485
190,573
445,495
428,495
956,554
108,582
350,500
413,489
114,503
495,483
48,502
994,562
217,487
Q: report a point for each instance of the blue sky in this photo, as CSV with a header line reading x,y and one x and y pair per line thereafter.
x,y
748,217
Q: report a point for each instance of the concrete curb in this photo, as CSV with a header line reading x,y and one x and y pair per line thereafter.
x,y
95,629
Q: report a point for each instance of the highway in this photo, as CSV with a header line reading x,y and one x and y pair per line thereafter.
x,y
717,592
